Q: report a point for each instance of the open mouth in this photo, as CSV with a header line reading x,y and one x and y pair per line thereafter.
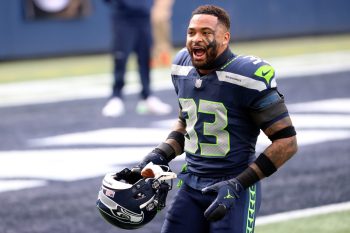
x,y
198,53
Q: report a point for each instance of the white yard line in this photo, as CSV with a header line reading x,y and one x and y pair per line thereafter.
x,y
99,86
14,184
311,64
303,213
74,88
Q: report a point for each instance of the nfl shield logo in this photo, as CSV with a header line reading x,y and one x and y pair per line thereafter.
x,y
198,83
109,193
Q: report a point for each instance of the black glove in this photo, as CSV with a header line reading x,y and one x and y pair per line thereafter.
x,y
155,157
228,191
129,176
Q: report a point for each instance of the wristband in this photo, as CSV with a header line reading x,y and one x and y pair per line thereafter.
x,y
179,138
166,151
265,165
248,177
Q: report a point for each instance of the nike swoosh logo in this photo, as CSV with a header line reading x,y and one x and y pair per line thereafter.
x,y
265,73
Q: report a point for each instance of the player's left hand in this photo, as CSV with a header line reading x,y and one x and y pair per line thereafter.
x,y
228,191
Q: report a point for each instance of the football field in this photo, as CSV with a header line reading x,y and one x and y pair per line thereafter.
x,y
325,223
55,148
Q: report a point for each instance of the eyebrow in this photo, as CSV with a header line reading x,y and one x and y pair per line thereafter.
x,y
202,29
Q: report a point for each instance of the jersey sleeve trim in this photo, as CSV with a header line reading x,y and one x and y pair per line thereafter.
x,y
243,81
180,70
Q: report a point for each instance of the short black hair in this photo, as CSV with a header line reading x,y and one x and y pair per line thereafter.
x,y
219,12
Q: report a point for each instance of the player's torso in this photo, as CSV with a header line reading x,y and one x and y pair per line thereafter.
x,y
220,134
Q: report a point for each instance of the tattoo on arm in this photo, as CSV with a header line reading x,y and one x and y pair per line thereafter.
x,y
282,149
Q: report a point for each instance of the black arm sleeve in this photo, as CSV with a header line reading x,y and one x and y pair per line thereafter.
x,y
268,109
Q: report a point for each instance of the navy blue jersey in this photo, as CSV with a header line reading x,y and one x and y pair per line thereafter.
x,y
221,135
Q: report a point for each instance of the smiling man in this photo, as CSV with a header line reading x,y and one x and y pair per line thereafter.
x,y
224,101
206,39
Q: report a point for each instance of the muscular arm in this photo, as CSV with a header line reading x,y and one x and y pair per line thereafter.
x,y
179,126
280,150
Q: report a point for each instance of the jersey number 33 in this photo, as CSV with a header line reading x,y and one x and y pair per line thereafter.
x,y
195,142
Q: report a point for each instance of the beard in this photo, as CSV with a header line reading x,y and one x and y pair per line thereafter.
x,y
211,53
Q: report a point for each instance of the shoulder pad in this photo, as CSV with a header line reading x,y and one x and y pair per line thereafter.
x,y
258,69
182,63
249,72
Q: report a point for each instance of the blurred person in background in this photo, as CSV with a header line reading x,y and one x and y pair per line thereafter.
x,y
225,100
132,32
61,9
161,25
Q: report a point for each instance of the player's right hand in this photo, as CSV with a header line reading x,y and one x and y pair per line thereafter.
x,y
155,157
128,175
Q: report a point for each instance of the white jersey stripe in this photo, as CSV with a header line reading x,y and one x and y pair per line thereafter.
x,y
241,80
180,70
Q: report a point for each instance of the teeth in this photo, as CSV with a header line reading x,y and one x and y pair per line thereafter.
x,y
196,51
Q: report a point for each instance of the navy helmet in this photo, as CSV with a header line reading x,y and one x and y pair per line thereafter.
x,y
132,205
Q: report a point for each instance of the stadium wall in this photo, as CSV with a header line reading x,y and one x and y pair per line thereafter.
x,y
21,37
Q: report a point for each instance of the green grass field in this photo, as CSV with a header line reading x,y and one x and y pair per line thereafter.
x,y
38,69
328,223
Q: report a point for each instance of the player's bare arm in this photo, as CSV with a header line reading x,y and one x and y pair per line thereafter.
x,y
179,126
281,149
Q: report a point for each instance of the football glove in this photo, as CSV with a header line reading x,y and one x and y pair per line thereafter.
x,y
227,193
127,175
155,157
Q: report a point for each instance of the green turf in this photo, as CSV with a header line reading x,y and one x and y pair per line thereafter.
x,y
49,68
327,223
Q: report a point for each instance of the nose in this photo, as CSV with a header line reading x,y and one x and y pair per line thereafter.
x,y
197,38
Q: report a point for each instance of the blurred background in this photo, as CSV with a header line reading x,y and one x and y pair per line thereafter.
x,y
31,28
56,74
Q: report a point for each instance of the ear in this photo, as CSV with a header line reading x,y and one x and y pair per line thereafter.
x,y
227,37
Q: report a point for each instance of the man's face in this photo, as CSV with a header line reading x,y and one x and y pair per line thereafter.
x,y
206,39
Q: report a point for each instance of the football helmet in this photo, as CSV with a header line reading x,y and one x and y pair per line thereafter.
x,y
132,205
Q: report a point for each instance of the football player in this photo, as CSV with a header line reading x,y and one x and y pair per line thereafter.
x,y
225,100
